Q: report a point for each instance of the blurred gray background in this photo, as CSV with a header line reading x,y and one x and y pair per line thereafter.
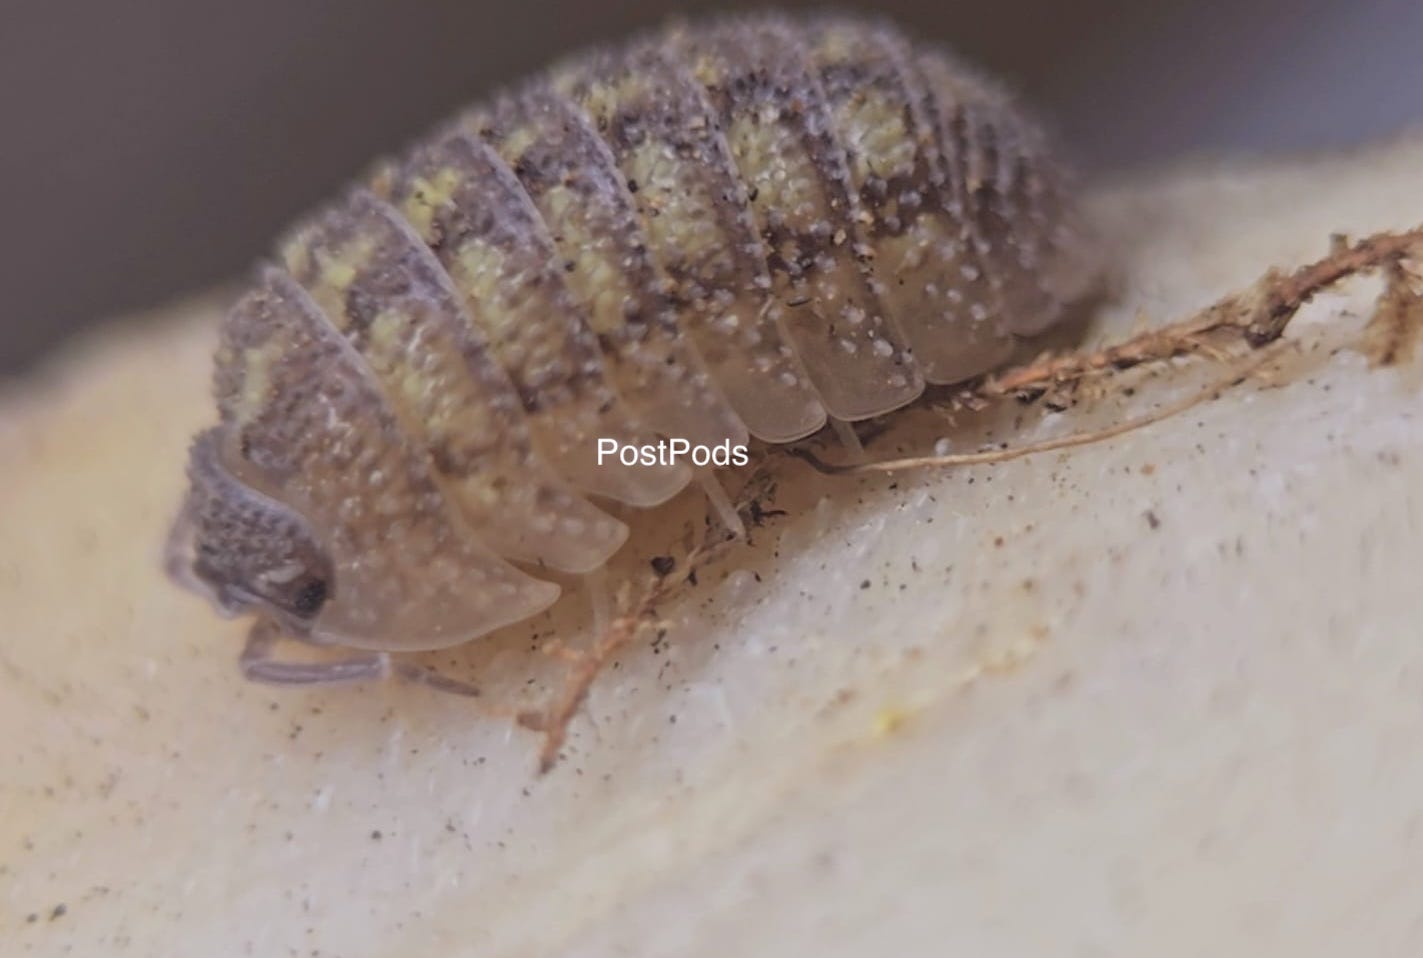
x,y
153,147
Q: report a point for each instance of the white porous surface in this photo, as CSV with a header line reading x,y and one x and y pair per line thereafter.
x,y
1157,696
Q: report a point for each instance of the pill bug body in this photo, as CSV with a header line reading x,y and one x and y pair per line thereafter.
x,y
732,229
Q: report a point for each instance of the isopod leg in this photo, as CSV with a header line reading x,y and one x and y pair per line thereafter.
x,y
260,665
421,675
845,432
599,598
721,503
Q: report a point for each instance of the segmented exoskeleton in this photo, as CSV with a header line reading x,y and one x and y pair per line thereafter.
x,y
734,228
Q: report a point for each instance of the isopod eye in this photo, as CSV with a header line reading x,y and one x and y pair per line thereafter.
x,y
310,599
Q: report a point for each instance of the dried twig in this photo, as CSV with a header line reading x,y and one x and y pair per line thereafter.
x,y
622,631
1084,438
1392,334
1256,316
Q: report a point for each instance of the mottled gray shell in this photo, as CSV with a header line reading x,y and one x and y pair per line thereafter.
x,y
733,228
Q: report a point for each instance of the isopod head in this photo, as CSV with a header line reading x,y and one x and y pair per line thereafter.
x,y
246,551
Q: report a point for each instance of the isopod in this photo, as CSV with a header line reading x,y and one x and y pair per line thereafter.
x,y
745,227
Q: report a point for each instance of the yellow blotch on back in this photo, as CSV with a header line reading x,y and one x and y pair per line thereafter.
x,y
872,127
772,161
256,381
428,195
